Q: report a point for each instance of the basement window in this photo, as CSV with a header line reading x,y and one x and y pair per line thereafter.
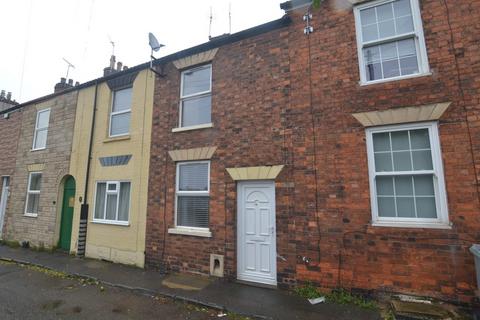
x,y
112,202
406,176
192,194
41,130
196,97
121,112
390,40
33,194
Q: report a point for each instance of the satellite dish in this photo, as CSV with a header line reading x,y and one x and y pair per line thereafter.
x,y
153,42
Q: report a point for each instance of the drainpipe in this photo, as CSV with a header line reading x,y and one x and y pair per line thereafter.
x,y
82,234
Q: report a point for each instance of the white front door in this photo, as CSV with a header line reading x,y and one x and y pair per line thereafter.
x,y
3,200
256,240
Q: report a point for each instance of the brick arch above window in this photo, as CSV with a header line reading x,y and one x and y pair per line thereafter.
x,y
195,59
428,112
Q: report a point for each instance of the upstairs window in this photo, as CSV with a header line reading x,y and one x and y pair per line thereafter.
x,y
121,112
390,40
196,97
41,130
406,176
193,187
33,194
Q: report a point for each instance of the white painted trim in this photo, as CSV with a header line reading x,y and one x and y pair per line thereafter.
x,y
37,129
117,192
32,214
199,126
418,36
410,76
191,193
442,220
412,225
197,232
240,236
112,113
111,222
197,94
4,201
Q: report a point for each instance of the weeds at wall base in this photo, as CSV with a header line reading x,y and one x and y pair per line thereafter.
x,y
338,296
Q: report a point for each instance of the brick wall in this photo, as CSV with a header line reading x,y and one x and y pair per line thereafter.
x,y
345,250
268,108
249,103
44,229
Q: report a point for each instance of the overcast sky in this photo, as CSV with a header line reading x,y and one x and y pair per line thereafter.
x,y
36,35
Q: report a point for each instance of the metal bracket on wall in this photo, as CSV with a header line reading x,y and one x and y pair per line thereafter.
x,y
161,74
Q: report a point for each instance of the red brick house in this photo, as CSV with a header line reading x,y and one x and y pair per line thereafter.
x,y
347,155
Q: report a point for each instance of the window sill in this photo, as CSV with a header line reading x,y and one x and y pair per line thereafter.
x,y
114,223
418,75
206,233
424,225
200,126
117,138
39,149
30,215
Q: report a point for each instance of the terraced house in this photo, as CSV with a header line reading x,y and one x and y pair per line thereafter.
x,y
110,160
336,145
41,173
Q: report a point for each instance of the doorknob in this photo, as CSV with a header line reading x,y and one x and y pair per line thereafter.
x,y
272,230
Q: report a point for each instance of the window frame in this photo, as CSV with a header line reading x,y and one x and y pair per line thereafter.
x,y
442,220
194,95
190,193
107,192
417,35
26,213
37,129
114,113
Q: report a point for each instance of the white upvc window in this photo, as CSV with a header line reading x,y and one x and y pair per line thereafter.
x,y
112,202
192,195
33,194
41,130
121,112
196,97
406,176
390,40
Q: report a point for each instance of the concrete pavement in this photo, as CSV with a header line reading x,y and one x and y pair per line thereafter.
x,y
231,296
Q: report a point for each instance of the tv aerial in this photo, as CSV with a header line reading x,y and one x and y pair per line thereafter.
x,y
70,65
155,46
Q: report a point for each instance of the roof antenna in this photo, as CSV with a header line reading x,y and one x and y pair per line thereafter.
x,y
68,67
230,18
155,46
210,25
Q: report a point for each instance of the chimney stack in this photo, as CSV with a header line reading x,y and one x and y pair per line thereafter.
x,y
6,101
63,85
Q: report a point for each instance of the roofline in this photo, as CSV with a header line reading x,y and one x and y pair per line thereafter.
x,y
238,36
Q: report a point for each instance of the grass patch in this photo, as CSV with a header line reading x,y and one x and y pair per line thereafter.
x,y
308,291
343,297
339,296
11,244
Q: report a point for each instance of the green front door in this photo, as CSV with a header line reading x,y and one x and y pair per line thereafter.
x,y
67,214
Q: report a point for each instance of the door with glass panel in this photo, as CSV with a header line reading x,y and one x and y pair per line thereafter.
x,y
3,201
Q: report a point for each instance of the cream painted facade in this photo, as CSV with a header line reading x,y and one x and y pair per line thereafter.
x,y
116,243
